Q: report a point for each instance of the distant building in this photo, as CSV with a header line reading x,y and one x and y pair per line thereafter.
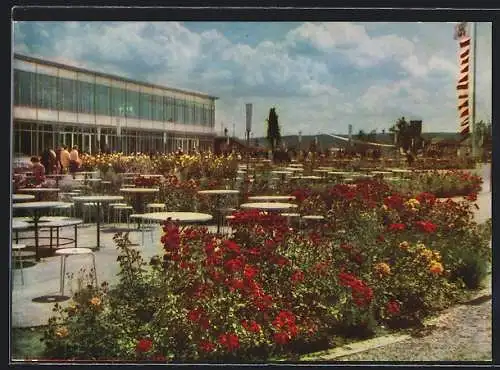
x,y
60,104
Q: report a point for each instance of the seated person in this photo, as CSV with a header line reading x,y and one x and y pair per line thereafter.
x,y
38,170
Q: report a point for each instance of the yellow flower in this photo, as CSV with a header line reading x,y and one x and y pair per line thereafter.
x,y
96,301
436,267
412,203
420,246
404,245
62,332
383,269
426,253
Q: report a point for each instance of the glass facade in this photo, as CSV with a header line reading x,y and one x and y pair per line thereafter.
x,y
55,93
37,90
33,138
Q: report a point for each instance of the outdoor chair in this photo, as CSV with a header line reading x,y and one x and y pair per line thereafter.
x,y
65,253
16,249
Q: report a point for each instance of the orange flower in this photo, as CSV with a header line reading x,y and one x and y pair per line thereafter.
x,y
96,301
62,332
383,269
436,267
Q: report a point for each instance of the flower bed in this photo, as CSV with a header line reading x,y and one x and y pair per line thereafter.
x,y
443,184
380,258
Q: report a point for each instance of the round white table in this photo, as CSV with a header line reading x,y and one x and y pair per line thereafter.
x,y
36,208
183,217
138,195
39,191
282,173
270,198
381,173
218,193
306,178
269,206
98,199
22,197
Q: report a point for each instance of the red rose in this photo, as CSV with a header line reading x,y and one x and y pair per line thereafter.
x,y
397,227
249,271
143,345
230,341
195,315
393,307
297,276
426,226
251,326
206,346
281,338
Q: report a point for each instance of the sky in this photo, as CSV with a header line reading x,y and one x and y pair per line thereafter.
x,y
320,76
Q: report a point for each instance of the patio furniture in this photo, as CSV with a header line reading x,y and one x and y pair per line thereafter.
x,y
269,206
51,224
67,252
39,191
218,198
271,198
16,249
120,210
36,209
181,217
98,199
138,195
22,197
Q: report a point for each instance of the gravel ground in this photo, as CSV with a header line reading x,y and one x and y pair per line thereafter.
x,y
461,333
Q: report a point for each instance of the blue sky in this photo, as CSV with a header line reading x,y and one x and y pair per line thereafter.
x,y
321,77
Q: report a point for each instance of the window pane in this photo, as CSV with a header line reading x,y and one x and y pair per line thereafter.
x,y
132,104
85,97
158,108
102,100
179,111
117,102
146,106
47,92
67,95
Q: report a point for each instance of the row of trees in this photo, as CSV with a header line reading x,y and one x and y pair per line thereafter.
x,y
405,134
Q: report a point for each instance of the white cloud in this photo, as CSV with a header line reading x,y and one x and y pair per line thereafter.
x,y
364,74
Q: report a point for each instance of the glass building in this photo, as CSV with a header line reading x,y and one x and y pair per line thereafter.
x,y
56,104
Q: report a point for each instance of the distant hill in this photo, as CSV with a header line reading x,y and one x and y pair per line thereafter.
x,y
327,141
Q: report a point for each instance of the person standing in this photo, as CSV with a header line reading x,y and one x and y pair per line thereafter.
x,y
74,160
45,160
64,159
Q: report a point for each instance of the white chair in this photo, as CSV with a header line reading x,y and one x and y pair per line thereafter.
x,y
111,209
16,249
119,211
65,253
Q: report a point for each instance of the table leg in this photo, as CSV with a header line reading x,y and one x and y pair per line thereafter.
x,y
98,224
36,216
218,212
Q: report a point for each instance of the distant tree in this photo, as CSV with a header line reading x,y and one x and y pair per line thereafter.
x,y
361,135
273,129
406,134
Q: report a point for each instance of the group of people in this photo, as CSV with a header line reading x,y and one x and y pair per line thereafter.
x,y
59,161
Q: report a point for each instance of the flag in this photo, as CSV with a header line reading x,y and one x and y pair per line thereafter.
x,y
463,85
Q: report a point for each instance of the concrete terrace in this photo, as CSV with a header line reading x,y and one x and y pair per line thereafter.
x,y
42,278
